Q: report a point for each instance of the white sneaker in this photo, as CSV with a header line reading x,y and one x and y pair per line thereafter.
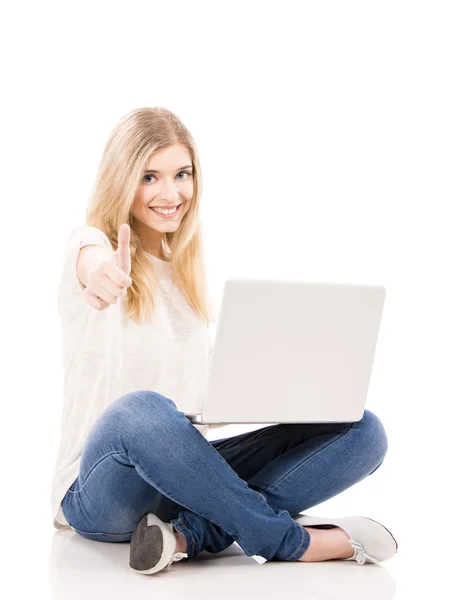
x,y
371,541
152,546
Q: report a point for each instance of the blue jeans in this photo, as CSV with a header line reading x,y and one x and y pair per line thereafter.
x,y
144,455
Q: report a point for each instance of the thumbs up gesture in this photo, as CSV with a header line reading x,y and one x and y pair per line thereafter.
x,y
111,278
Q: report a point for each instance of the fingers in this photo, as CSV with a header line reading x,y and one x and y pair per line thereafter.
x,y
111,279
115,274
103,286
94,300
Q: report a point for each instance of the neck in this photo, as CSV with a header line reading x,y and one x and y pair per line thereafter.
x,y
151,241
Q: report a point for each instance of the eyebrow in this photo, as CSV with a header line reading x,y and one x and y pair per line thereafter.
x,y
158,172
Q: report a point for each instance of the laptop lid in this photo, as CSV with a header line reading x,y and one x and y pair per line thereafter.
x,y
291,351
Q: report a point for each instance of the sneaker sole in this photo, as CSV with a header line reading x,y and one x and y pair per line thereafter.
x,y
152,545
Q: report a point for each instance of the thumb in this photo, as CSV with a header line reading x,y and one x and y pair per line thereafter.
x,y
123,249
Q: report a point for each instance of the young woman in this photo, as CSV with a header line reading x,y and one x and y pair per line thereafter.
x,y
135,313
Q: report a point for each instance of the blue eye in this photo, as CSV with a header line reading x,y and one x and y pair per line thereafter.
x,y
188,173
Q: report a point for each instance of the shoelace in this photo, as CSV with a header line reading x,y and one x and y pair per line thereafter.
x,y
176,557
361,555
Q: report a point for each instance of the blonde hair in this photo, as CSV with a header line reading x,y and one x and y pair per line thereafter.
x,y
131,143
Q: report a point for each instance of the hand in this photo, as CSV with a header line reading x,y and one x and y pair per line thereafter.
x,y
111,278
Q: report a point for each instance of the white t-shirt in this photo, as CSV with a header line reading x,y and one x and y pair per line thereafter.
x,y
106,355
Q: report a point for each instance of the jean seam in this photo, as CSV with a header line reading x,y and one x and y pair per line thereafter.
x,y
102,532
301,544
93,467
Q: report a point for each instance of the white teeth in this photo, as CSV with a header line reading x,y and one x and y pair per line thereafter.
x,y
165,212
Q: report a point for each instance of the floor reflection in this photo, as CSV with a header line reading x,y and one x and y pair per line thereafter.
x,y
81,568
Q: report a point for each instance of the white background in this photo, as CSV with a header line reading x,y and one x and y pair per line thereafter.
x,y
323,130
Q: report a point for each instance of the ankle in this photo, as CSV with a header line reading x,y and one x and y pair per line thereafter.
x,y
317,545
327,544
181,545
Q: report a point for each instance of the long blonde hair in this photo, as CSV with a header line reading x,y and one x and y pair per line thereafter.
x,y
131,143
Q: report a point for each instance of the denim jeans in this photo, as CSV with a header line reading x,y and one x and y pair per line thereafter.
x,y
144,455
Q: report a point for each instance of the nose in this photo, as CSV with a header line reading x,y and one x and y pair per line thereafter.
x,y
170,190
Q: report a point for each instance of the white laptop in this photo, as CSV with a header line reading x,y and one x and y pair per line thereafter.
x,y
291,352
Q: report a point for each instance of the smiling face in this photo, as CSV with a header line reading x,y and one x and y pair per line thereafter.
x,y
166,182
